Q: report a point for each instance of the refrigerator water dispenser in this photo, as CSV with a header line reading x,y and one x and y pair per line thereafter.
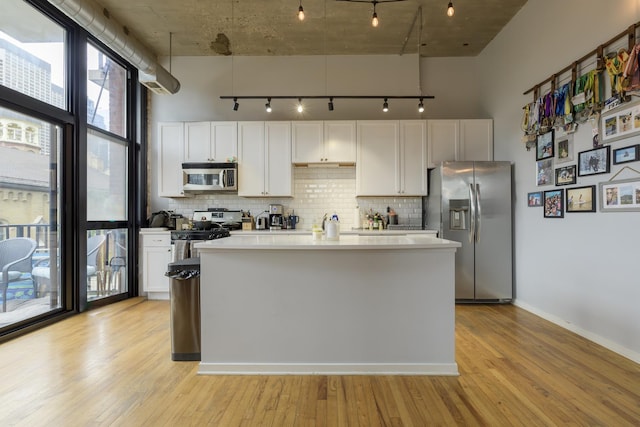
x,y
458,214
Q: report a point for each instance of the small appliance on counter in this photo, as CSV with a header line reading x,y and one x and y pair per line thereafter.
x,y
276,217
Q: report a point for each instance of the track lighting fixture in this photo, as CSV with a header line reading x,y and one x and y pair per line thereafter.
x,y
300,108
450,10
301,12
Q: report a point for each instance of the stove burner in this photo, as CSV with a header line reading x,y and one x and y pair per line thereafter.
x,y
216,233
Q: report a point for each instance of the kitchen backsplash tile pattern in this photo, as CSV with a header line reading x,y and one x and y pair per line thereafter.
x,y
316,191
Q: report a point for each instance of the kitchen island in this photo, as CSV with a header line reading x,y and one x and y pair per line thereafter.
x,y
288,304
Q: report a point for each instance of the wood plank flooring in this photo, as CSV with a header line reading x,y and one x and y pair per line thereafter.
x,y
112,366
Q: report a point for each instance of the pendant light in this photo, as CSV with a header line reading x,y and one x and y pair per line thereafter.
x,y
374,18
267,106
385,106
421,106
301,12
450,10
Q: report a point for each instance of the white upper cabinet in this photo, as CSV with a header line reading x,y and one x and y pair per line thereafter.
x,y
324,142
210,141
340,141
451,140
391,158
170,157
264,159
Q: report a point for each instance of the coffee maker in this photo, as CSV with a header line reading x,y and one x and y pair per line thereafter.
x,y
276,217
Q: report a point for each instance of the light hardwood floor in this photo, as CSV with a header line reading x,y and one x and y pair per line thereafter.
x,y
112,366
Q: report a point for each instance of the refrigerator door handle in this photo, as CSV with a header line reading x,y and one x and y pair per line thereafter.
x,y
478,213
472,214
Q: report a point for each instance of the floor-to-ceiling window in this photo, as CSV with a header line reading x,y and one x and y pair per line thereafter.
x,y
71,115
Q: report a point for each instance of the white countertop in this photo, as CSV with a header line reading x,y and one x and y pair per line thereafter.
x,y
273,241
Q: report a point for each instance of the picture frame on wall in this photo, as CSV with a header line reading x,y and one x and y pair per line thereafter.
x,y
626,154
620,122
544,145
534,199
619,196
594,162
566,175
553,204
564,148
544,172
581,199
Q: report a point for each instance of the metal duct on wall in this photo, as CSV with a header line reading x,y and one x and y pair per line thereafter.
x,y
93,18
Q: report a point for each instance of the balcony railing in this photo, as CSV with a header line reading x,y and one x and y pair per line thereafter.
x,y
37,232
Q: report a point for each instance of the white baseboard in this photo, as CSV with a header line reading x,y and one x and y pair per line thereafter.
x,y
448,369
615,347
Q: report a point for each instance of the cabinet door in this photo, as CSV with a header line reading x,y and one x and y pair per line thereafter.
x,y
413,158
251,154
307,141
155,260
443,140
170,152
377,162
278,169
224,141
197,141
340,141
476,139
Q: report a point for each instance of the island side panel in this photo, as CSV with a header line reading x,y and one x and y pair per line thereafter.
x,y
359,310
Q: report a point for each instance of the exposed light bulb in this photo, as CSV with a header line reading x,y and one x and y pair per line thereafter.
x,y
385,106
301,13
421,107
450,10
374,20
300,109
268,105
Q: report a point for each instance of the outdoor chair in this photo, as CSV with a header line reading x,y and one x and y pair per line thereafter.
x,y
41,270
16,260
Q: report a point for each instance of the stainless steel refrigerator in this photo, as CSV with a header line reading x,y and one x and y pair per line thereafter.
x,y
470,202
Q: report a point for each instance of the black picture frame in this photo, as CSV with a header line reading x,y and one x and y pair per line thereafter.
x,y
553,204
595,161
534,199
581,199
544,145
626,154
566,175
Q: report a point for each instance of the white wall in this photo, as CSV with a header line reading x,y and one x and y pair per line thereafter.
x,y
580,271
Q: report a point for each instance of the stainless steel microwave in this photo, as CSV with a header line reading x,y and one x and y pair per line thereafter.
x,y
206,176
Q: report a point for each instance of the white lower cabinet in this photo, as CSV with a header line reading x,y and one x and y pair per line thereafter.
x,y
156,256
264,159
391,158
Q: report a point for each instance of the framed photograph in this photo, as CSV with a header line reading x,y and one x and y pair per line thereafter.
x,y
566,175
554,204
544,172
564,148
626,154
620,196
534,199
593,162
544,145
581,199
620,122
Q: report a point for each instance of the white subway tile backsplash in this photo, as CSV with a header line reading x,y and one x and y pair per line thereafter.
x,y
316,191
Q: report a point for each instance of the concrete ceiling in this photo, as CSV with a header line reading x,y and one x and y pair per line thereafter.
x,y
270,27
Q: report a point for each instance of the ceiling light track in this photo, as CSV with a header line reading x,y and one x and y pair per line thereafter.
x,y
331,98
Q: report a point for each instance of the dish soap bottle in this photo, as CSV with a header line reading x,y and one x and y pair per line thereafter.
x,y
333,228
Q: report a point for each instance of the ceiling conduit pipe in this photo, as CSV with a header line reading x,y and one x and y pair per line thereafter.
x,y
95,19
